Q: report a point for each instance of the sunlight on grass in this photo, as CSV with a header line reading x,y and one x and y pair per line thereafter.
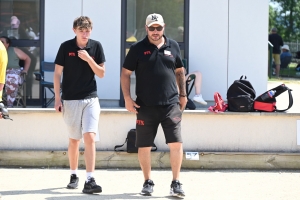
x,y
288,75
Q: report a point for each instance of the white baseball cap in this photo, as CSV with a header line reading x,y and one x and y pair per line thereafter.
x,y
154,19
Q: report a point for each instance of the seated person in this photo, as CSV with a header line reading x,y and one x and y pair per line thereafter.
x,y
13,70
285,56
198,81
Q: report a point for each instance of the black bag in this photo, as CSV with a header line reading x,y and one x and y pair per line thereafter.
x,y
267,101
190,104
240,96
130,139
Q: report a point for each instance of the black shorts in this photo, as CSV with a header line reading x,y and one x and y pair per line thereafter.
x,y
149,118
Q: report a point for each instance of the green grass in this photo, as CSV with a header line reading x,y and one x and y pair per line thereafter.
x,y
290,71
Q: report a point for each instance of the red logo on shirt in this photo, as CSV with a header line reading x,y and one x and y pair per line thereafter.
x,y
140,122
72,54
147,52
176,118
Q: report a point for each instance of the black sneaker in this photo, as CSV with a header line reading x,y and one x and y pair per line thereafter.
x,y
147,188
73,182
176,189
91,187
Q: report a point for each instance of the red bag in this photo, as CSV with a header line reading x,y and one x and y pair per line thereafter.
x,y
267,101
220,105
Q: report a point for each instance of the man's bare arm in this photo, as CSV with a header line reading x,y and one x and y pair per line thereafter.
x,y
180,78
125,85
56,82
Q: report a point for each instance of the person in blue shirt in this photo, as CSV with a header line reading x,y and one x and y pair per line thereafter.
x,y
285,56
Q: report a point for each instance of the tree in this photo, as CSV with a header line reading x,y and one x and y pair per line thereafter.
x,y
286,18
272,17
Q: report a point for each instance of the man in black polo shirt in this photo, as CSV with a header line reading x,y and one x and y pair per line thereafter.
x,y
79,59
159,72
277,42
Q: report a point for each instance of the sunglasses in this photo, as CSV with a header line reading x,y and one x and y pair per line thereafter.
x,y
159,28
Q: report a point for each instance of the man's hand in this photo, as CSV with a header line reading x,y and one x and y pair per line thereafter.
x,y
131,106
182,102
58,105
83,54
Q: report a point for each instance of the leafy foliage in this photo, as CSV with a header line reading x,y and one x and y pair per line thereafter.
x,y
286,18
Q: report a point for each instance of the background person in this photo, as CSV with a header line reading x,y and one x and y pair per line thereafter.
x,y
159,70
3,64
13,71
79,59
277,42
285,58
180,34
198,83
285,55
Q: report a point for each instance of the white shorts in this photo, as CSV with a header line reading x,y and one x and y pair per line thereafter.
x,y
82,116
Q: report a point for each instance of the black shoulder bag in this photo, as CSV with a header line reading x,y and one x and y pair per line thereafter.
x,y
130,139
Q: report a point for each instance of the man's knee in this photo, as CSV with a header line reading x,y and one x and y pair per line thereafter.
x,y
89,137
73,141
175,146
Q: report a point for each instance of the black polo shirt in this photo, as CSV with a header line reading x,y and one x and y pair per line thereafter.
x,y
78,78
155,71
276,41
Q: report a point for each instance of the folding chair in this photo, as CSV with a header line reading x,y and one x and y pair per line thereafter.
x,y
21,96
20,100
189,84
46,67
191,80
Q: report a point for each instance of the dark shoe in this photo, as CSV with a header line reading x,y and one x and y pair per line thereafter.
x,y
147,188
176,189
73,182
91,187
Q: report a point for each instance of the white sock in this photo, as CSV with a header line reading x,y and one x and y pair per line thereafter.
x,y
73,172
89,175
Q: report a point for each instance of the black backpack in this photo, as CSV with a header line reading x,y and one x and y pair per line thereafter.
x,y
240,96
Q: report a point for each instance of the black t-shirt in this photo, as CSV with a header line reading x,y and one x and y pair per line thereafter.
x,y
78,77
155,71
276,41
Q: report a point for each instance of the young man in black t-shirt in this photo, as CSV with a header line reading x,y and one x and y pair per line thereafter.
x,y
79,59
159,72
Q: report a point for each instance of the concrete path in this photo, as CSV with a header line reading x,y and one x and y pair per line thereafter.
x,y
35,184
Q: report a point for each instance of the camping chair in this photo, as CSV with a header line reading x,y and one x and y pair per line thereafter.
x,y
46,86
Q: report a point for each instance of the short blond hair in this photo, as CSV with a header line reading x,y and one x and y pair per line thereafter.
x,y
83,22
